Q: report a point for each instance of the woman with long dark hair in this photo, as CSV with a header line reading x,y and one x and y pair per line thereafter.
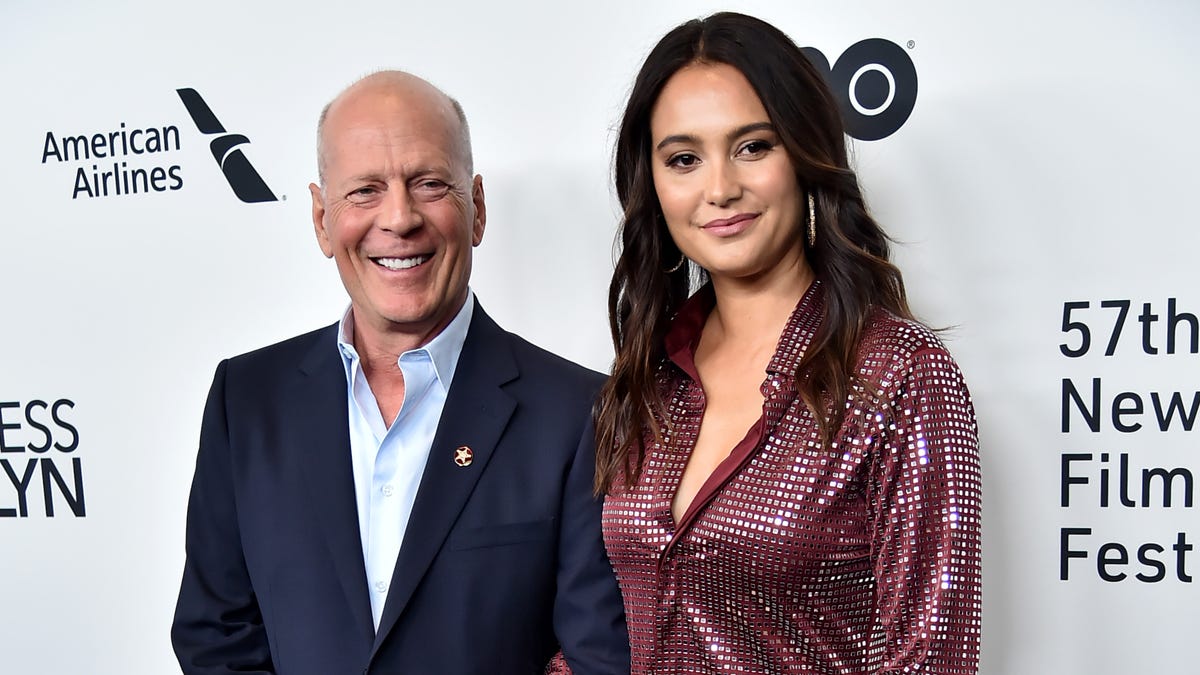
x,y
790,460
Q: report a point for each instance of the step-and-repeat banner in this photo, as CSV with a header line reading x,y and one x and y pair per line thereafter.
x,y
1037,162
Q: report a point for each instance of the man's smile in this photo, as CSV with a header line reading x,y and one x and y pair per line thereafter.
x,y
402,263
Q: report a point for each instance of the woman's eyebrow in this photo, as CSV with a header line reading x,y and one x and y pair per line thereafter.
x,y
740,131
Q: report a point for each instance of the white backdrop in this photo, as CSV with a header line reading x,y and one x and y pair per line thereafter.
x,y
1049,159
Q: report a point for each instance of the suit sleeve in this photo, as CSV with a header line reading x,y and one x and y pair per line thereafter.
x,y
926,506
589,615
218,627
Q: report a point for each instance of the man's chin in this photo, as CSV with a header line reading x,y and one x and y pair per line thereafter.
x,y
424,320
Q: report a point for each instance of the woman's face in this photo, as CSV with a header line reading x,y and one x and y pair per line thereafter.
x,y
724,180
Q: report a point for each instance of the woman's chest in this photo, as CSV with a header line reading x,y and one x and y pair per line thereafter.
x,y
789,506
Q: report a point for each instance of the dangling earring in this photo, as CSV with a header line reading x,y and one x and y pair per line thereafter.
x,y
658,217
812,221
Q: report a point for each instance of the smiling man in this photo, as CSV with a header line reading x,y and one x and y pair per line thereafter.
x,y
408,490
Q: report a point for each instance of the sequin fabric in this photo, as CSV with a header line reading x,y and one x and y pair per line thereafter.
x,y
858,558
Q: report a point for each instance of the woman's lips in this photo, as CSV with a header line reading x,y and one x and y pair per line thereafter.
x,y
728,227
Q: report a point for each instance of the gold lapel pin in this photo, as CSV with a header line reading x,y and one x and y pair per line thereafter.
x,y
463,456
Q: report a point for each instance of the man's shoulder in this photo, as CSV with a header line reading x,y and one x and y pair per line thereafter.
x,y
287,353
545,369
540,361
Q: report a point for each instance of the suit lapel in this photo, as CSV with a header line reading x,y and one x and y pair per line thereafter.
x,y
321,423
476,413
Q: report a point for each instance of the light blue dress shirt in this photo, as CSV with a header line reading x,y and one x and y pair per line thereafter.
x,y
388,461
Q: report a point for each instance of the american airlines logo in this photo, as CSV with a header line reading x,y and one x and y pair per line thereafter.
x,y
140,158
119,162
243,178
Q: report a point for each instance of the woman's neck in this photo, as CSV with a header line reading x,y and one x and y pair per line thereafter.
x,y
753,311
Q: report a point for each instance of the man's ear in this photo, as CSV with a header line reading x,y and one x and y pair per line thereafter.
x,y
318,216
480,211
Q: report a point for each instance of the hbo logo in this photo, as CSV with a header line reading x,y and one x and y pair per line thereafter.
x,y
875,84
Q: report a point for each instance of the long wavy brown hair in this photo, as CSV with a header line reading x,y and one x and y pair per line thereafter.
x,y
851,256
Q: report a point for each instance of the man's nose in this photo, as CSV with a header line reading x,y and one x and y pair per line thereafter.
x,y
723,185
400,215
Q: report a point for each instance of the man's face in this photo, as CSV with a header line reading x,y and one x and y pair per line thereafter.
x,y
399,211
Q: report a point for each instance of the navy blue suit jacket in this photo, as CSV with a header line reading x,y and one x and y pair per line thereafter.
x,y
502,561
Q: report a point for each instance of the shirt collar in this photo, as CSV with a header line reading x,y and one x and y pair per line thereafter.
x,y
683,336
443,350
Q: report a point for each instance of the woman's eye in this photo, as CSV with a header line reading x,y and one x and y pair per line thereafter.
x,y
756,147
683,160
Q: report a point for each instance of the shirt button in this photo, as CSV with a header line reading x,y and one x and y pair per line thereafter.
x,y
381,586
388,490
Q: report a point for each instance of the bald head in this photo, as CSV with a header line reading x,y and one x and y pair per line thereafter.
x,y
397,86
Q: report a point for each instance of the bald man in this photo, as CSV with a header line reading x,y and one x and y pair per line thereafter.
x,y
408,490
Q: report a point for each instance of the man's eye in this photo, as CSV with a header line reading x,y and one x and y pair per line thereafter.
x,y
430,189
362,194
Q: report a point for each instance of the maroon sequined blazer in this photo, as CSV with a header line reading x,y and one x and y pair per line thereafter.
x,y
857,558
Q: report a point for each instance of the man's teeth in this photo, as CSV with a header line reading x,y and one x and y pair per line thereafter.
x,y
401,263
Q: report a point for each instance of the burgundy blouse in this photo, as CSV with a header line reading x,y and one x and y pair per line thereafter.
x,y
861,557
